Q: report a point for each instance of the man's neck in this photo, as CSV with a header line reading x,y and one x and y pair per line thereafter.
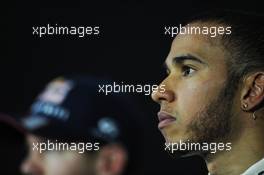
x,y
246,151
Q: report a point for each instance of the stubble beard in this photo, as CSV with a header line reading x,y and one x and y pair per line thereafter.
x,y
213,123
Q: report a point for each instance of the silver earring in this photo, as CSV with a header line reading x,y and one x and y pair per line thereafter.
x,y
245,106
254,115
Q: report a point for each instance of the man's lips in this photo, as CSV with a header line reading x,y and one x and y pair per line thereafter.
x,y
165,119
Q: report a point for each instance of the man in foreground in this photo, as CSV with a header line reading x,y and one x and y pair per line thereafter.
x,y
214,94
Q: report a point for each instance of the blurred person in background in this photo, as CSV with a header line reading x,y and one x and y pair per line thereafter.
x,y
98,134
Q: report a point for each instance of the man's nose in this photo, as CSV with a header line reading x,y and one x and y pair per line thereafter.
x,y
31,167
163,95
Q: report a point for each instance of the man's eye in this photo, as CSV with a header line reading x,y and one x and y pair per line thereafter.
x,y
187,71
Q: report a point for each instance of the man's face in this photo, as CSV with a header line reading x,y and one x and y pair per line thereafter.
x,y
55,162
196,105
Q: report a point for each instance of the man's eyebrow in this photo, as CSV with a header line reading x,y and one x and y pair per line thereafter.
x,y
181,59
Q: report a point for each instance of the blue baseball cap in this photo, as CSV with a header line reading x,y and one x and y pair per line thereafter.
x,y
72,109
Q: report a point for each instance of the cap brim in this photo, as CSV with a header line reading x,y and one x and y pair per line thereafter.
x,y
56,130
34,122
50,129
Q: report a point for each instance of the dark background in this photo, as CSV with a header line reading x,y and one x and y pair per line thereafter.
x,y
131,48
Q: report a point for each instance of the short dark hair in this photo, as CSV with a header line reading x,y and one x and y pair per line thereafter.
x,y
246,42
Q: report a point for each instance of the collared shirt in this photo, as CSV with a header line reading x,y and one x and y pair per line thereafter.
x,y
255,169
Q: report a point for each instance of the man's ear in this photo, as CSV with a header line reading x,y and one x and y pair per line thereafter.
x,y
112,160
252,91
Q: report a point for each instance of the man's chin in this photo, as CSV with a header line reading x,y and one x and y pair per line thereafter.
x,y
176,152
184,154
176,140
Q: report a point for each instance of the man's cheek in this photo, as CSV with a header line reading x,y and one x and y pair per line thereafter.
x,y
188,102
210,87
196,94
